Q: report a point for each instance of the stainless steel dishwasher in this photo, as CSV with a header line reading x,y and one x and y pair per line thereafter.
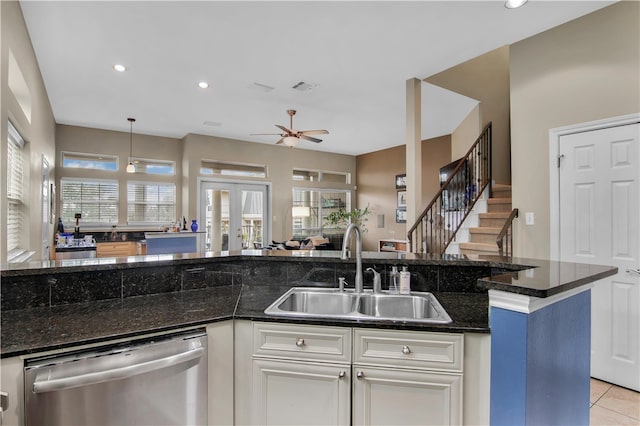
x,y
154,382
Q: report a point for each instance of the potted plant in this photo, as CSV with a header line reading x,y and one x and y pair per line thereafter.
x,y
342,217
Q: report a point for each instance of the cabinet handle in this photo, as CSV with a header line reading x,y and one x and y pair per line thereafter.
x,y
633,271
342,374
195,270
406,350
300,342
360,375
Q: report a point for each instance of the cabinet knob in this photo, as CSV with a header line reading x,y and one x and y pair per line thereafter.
x,y
406,350
342,374
300,342
360,375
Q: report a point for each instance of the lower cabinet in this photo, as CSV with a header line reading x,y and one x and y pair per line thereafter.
x,y
312,375
300,393
385,396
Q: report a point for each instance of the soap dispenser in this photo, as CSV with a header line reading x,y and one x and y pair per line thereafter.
x,y
405,281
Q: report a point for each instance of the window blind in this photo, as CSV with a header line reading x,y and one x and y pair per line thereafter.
x,y
16,209
151,202
97,200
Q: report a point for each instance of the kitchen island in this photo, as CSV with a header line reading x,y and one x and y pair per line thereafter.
x,y
53,306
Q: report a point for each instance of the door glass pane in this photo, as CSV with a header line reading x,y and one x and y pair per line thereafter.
x,y
217,220
252,218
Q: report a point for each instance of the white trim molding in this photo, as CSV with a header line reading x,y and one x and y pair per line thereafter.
x,y
528,304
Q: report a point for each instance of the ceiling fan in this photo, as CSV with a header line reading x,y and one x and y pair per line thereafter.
x,y
291,137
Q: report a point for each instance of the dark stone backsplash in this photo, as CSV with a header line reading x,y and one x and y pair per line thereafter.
x,y
62,288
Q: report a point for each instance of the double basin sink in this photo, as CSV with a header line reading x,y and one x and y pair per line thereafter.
x,y
332,303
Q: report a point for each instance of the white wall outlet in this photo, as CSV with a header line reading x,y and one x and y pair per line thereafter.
x,y
529,218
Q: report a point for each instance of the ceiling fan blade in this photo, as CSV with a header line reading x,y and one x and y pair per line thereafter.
x,y
265,134
310,139
314,132
284,129
280,141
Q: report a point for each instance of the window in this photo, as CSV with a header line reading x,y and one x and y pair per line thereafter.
x,y
155,167
75,160
151,202
321,203
16,208
97,200
233,169
321,176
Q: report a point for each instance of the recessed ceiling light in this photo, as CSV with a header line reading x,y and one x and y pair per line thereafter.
x,y
119,68
203,85
514,4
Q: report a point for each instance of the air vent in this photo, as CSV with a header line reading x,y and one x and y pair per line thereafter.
x,y
212,123
259,87
304,86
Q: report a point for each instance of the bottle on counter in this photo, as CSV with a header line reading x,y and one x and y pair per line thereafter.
x,y
393,282
405,281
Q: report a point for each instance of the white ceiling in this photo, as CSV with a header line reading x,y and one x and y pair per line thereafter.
x,y
359,54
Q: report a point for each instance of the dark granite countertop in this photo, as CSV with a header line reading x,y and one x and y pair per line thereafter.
x,y
41,329
533,277
70,324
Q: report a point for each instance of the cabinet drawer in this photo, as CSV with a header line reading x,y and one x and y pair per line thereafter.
x,y
115,249
304,342
433,351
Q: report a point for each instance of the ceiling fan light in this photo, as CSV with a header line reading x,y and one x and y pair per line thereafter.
x,y
291,141
514,4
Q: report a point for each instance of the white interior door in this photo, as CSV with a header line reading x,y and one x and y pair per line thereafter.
x,y
599,195
234,215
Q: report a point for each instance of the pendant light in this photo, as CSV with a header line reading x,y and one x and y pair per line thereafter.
x,y
131,168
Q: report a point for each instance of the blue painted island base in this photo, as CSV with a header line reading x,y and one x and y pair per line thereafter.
x,y
540,358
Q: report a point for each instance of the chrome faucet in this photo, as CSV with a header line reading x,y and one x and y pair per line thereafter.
x,y
377,281
353,228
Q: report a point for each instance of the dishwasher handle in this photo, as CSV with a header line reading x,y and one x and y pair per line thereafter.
x,y
51,385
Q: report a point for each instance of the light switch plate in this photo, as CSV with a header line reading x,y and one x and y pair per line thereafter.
x,y
529,218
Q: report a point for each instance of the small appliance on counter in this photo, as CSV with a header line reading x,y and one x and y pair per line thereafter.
x,y
70,247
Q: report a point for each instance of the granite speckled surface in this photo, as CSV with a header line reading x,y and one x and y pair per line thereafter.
x,y
60,304
40,329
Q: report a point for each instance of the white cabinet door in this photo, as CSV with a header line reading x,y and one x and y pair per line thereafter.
x,y
384,396
298,393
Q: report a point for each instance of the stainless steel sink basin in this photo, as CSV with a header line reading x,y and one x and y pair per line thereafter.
x,y
400,306
319,303
331,303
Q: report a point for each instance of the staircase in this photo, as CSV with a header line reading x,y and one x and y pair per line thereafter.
x,y
483,237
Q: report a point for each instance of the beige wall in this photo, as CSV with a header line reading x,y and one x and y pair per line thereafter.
x,y
280,162
485,78
466,133
376,173
584,70
107,142
39,132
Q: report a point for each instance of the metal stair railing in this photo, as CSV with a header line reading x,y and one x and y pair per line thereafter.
x,y
438,224
504,240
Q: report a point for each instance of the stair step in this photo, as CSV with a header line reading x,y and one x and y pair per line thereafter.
x,y
485,235
479,248
501,190
494,219
499,204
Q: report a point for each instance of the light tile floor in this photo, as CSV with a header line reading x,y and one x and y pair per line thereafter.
x,y
613,405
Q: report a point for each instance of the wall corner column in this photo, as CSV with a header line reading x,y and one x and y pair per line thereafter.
x,y
413,159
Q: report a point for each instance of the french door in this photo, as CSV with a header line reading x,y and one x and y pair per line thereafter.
x,y
599,199
234,215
